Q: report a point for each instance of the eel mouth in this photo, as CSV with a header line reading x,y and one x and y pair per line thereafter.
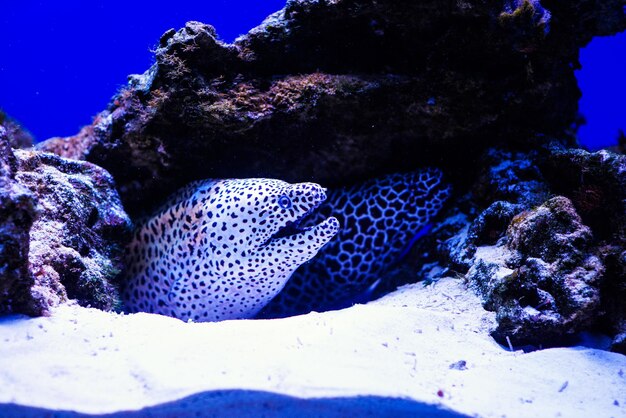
x,y
294,227
291,228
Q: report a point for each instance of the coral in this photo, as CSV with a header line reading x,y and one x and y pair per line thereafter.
x,y
17,210
507,184
8,164
553,232
549,267
76,146
596,184
512,177
73,248
341,91
528,22
544,283
17,135
487,228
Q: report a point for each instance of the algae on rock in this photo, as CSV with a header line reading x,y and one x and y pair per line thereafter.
x,y
62,232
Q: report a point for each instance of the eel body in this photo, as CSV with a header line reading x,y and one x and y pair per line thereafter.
x,y
378,220
214,251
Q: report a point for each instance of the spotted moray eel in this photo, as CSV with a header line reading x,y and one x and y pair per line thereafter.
x,y
212,253
225,249
378,220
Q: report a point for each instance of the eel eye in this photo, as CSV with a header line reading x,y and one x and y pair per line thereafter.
x,y
284,202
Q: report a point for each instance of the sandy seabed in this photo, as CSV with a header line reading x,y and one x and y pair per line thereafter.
x,y
420,351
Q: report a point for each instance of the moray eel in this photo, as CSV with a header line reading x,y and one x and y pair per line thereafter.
x,y
379,218
215,250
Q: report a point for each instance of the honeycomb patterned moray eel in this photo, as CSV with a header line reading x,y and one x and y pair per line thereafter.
x,y
212,252
378,221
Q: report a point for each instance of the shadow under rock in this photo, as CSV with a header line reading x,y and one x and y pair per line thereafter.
x,y
257,404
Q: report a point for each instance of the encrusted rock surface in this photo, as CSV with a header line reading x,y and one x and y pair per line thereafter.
x,y
17,210
543,283
18,136
62,230
548,265
76,241
339,91
596,184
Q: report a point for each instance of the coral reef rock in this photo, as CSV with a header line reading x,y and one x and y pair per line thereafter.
x,y
18,136
65,231
596,184
548,266
17,210
543,282
340,91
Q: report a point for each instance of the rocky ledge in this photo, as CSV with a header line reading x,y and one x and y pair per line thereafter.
x,y
339,91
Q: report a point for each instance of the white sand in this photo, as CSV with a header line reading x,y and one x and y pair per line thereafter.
x,y
401,346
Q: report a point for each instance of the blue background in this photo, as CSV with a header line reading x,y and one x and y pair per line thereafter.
x,y
61,62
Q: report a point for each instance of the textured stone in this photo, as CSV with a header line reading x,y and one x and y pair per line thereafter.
x,y
339,91
511,177
17,210
77,240
73,247
548,269
506,184
544,284
596,184
18,136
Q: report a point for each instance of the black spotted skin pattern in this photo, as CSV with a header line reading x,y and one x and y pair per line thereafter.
x,y
378,220
210,253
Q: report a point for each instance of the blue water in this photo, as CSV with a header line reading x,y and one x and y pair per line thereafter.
x,y
603,83
60,62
